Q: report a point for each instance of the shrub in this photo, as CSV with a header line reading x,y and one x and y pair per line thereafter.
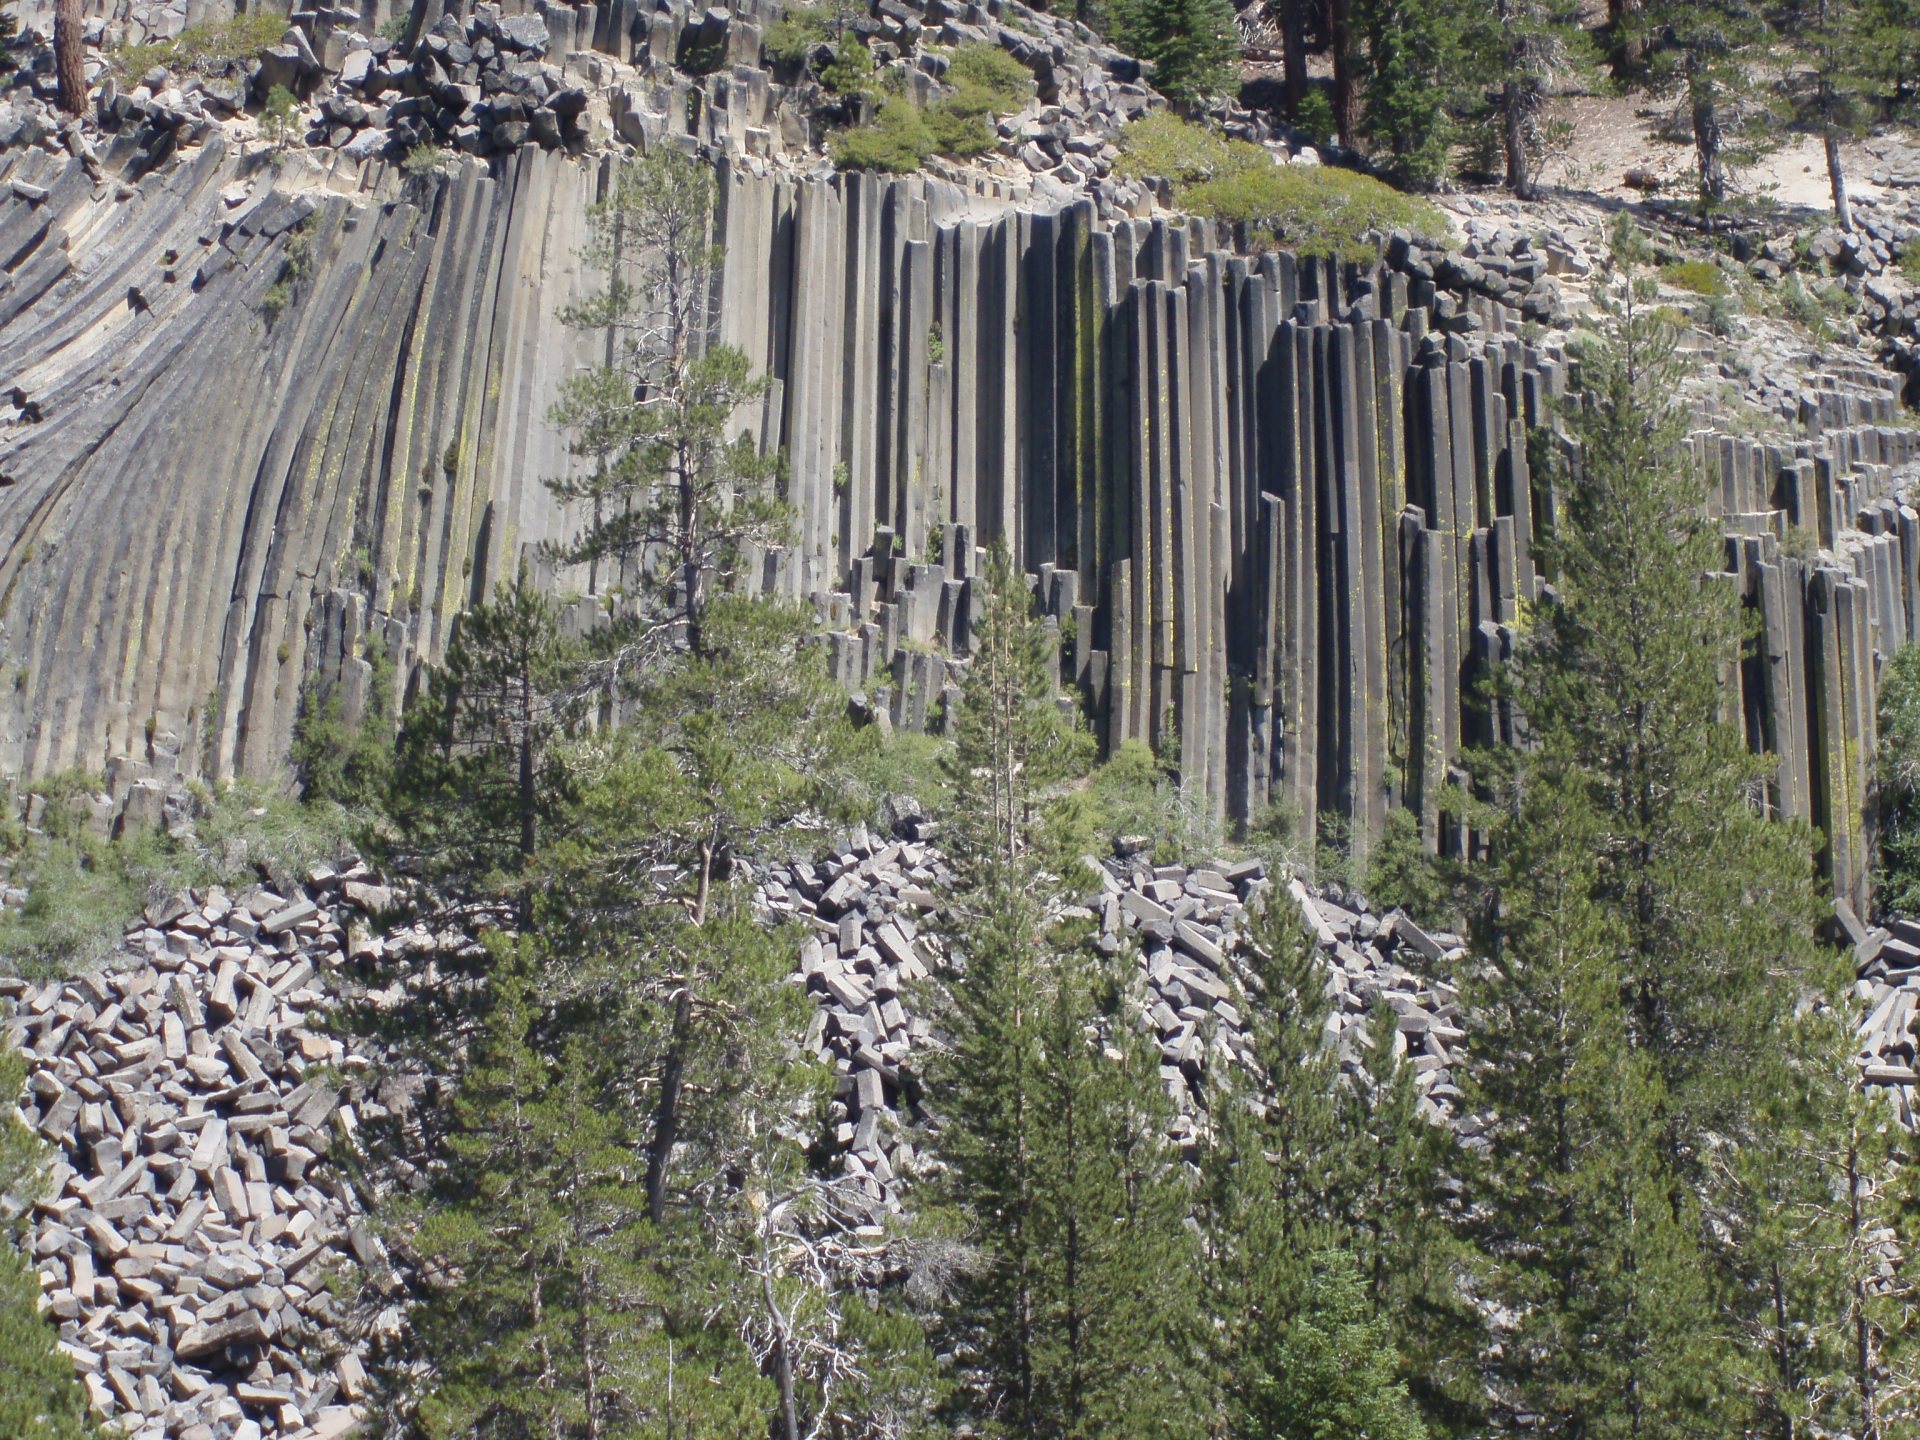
x,y
423,160
347,764
278,116
1702,277
850,72
959,130
1162,145
987,82
897,141
202,49
1002,81
1314,210
790,38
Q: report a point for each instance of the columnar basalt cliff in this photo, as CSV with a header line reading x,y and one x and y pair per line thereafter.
x,y
1282,510
1282,522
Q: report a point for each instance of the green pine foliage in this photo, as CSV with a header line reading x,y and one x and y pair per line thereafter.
x,y
1711,51
1897,873
348,764
1420,57
1310,209
1192,45
475,775
1078,1316
40,1396
674,489
1322,1224
1646,933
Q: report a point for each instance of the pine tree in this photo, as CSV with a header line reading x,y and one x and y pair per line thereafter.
x,y
1312,1183
1077,1319
1193,45
674,502
1417,58
550,1308
1711,47
475,776
1541,42
1831,84
1392,1190
40,1397
1331,1372
1645,926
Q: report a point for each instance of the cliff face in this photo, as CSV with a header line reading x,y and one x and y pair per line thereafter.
x,y
1280,522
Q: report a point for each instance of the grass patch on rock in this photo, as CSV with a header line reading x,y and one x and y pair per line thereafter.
x,y
1313,210
203,50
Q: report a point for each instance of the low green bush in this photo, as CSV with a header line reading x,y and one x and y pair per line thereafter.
x,y
790,38
896,141
850,72
1701,277
1001,81
1162,145
202,50
1310,209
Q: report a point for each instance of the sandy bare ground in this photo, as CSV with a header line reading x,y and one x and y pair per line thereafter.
x,y
1613,136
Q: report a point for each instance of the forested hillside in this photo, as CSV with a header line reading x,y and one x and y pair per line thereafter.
x,y
1202,825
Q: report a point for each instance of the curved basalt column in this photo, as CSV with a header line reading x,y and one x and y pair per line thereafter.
x,y
1282,524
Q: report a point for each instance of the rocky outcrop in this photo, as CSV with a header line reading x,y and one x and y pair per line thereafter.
x,y
872,956
1278,514
192,1225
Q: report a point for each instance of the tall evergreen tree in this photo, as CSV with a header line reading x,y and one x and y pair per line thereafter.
x,y
675,494
475,777
1830,84
1711,48
40,1397
1539,43
1299,1265
1645,925
1079,1318
1415,58
1194,45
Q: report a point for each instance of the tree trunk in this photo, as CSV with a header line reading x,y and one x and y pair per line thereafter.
x,y
1865,1360
1706,138
1293,54
666,1115
1513,117
67,56
1837,177
1346,93
1626,50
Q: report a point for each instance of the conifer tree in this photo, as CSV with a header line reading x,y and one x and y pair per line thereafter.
x,y
475,776
554,1306
1539,43
1395,1210
1709,47
40,1397
1078,1319
675,491
1314,1233
1415,59
1644,926
1831,84
1194,45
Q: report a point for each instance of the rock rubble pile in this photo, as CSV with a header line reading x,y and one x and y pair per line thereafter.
x,y
866,904
1888,990
191,1222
